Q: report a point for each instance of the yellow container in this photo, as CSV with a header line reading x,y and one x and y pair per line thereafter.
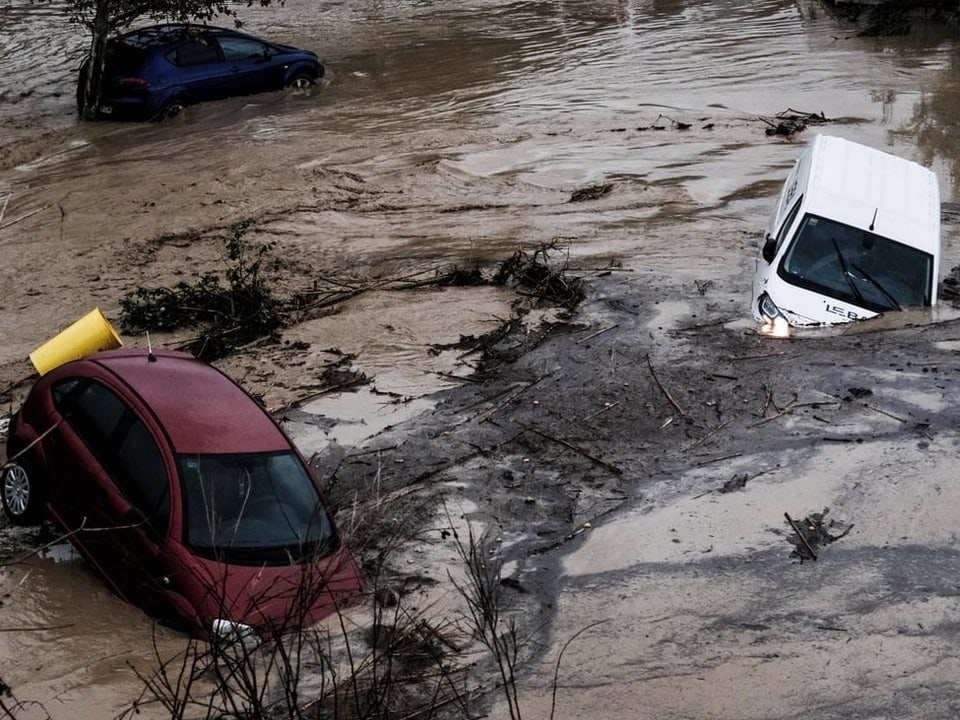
x,y
90,333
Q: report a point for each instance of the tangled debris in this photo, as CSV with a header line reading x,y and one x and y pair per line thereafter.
x,y
539,283
230,312
812,532
236,310
950,286
590,193
789,122
675,124
534,277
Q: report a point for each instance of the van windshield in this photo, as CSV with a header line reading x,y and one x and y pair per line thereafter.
x,y
253,508
857,266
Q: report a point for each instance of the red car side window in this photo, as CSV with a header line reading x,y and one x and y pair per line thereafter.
x,y
142,476
121,443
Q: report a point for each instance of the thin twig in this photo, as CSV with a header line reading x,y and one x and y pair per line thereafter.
x,y
556,669
510,398
582,528
664,390
23,217
598,332
581,451
709,435
719,459
735,358
884,412
35,628
605,408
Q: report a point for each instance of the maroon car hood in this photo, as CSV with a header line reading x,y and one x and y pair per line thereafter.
x,y
273,599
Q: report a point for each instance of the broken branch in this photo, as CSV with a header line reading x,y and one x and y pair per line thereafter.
x,y
800,535
510,398
581,451
663,389
598,332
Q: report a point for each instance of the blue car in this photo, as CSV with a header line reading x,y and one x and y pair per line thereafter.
x,y
154,72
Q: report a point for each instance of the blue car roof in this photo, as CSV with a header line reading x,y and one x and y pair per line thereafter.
x,y
158,35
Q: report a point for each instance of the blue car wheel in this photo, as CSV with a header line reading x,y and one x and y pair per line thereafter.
x,y
301,81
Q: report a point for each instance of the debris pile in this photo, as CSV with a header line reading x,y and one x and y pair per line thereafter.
x,y
812,532
789,122
229,312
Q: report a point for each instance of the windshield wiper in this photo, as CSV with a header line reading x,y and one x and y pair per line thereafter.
x,y
846,272
876,283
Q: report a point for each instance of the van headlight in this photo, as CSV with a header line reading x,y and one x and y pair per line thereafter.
x,y
774,321
768,309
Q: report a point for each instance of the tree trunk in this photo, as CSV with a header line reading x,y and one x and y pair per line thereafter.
x,y
93,82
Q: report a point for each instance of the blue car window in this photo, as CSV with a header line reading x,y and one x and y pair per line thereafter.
x,y
241,48
193,52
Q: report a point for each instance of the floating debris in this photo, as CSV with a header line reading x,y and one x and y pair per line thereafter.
x,y
789,122
590,193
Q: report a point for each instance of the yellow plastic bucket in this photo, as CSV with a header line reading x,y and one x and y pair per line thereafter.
x,y
90,333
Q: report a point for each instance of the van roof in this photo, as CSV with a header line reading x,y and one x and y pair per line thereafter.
x,y
862,186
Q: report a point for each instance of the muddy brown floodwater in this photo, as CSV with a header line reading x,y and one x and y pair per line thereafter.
x,y
453,134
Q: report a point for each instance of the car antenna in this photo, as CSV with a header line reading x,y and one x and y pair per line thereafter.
x,y
874,221
150,356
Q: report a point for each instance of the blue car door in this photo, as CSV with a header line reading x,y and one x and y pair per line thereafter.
x,y
199,72
252,65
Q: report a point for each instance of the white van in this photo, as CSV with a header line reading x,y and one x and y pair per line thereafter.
x,y
856,233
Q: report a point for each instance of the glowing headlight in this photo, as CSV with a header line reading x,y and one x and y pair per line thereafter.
x,y
775,324
769,309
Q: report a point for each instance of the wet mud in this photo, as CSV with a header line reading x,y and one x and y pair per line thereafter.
x,y
605,446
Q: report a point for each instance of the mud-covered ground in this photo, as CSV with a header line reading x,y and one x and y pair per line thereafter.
x,y
631,462
638,466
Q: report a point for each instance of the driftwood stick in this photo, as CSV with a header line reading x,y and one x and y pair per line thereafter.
x,y
23,217
800,535
706,438
884,412
663,389
870,407
510,398
737,358
717,459
601,411
598,332
581,451
583,527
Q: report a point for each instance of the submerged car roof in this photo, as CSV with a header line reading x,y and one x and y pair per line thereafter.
x,y
873,190
152,36
201,409
157,35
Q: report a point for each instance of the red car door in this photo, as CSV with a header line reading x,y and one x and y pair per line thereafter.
x,y
100,454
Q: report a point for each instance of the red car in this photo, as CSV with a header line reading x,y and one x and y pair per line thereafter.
x,y
181,491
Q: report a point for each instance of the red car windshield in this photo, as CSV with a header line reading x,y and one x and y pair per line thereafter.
x,y
256,508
